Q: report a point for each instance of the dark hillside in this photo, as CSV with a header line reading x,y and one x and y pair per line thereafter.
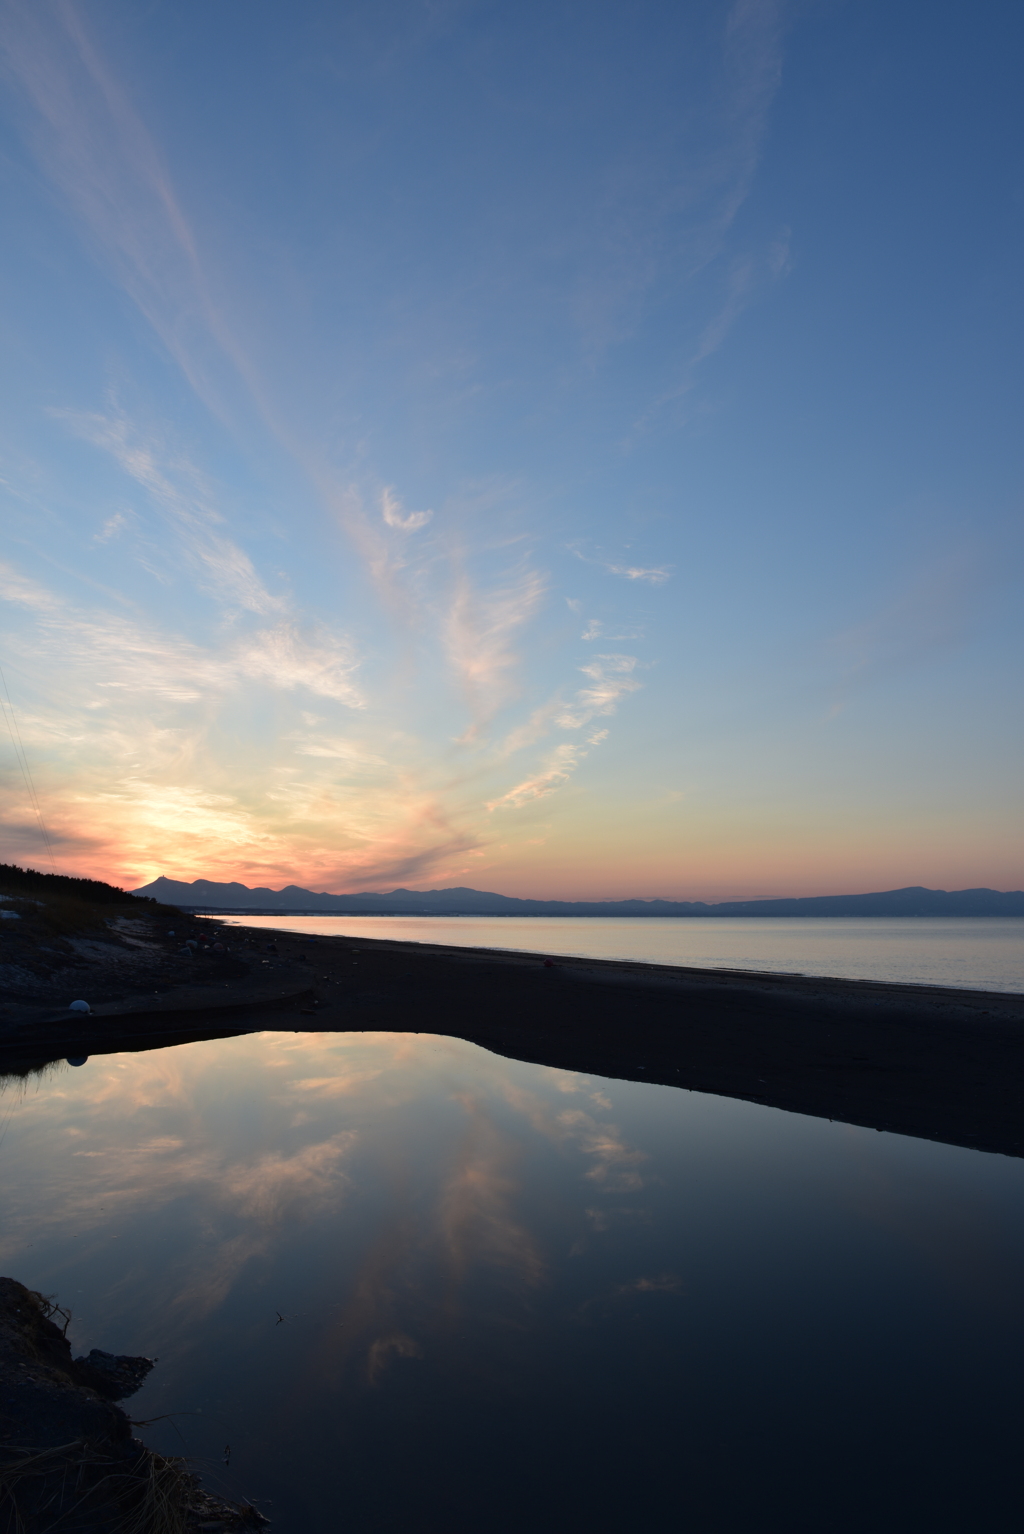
x,y
59,935
30,882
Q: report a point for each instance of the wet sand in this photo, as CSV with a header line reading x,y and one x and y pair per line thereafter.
x,y
935,1063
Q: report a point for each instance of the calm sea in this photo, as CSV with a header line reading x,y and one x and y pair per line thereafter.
x,y
395,1282
980,953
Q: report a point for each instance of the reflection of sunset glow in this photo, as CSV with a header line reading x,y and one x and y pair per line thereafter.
x,y
386,1348
151,1133
478,1199
357,1244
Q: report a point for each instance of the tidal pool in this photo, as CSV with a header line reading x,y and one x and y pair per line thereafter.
x,y
395,1282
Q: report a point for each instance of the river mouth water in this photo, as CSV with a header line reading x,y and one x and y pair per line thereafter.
x,y
417,1286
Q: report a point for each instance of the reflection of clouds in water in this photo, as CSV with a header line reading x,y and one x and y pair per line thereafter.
x,y
263,1187
213,1171
412,1275
269,1191
575,1083
335,1086
199,1290
600,1306
415,1270
226,1147
275,1186
615,1161
665,1283
477,1223
602,1219
387,1348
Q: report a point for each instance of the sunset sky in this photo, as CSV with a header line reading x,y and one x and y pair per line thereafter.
x,y
568,449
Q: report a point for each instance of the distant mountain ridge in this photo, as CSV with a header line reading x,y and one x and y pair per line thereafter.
x,y
205,894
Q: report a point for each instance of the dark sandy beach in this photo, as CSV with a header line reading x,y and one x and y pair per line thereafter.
x,y
935,1063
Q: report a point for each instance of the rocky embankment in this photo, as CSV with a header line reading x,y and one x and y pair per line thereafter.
x,y
68,1457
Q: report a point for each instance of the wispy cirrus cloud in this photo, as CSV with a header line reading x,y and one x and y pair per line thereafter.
x,y
153,779
94,146
718,183
179,492
101,650
556,770
746,277
337,748
611,679
481,630
395,515
143,225
656,575
533,728
114,525
284,657
661,228
390,860
931,614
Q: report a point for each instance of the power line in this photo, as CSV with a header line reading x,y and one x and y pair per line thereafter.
x,y
26,771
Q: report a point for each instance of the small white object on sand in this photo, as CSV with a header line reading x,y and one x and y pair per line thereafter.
x,y
79,1006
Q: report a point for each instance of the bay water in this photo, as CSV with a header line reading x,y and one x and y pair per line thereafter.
x,y
982,953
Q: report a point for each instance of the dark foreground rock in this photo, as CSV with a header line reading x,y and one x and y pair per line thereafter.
x,y
68,1459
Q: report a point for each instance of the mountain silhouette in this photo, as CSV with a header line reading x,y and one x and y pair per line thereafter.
x,y
205,894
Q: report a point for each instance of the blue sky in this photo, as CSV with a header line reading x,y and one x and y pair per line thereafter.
x,y
571,450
